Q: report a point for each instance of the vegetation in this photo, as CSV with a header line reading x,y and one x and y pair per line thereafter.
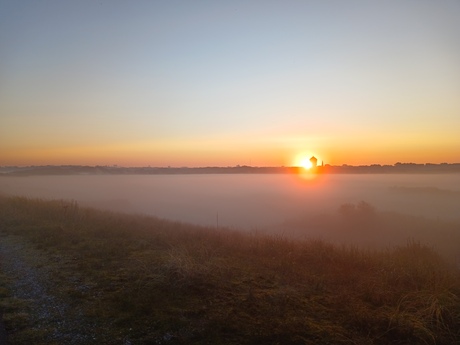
x,y
131,279
363,225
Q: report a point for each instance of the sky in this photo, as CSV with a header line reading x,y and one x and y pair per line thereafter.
x,y
222,83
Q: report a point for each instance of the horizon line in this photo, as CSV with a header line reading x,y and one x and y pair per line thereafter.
x,y
226,166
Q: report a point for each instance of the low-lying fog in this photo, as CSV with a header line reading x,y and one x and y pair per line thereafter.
x,y
325,205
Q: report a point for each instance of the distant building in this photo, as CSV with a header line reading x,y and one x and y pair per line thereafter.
x,y
314,162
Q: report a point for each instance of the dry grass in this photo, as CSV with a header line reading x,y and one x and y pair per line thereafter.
x,y
152,281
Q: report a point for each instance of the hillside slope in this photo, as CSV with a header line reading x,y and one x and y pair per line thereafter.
x,y
82,276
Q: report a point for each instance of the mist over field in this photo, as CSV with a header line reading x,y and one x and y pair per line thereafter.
x,y
300,205
365,258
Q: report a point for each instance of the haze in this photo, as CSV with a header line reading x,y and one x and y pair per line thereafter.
x,y
178,83
280,203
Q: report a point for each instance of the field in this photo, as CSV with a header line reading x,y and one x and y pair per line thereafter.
x,y
73,275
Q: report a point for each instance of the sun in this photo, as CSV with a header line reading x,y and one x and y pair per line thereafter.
x,y
306,163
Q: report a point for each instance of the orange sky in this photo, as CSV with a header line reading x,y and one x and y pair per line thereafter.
x,y
221,84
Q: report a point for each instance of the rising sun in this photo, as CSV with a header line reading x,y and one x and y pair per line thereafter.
x,y
306,163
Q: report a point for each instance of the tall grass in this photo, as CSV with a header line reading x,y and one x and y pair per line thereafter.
x,y
156,281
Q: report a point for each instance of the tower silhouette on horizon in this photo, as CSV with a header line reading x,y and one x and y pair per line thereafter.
x,y
314,162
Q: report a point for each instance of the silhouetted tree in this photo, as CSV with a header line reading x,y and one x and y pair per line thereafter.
x,y
359,216
347,210
365,209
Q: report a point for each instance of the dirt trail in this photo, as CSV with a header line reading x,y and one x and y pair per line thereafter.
x,y
32,281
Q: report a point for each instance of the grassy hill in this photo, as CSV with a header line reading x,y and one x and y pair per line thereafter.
x,y
95,277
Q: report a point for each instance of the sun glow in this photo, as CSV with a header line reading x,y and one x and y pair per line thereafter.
x,y
305,163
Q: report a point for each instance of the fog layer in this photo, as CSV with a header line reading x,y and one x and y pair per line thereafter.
x,y
247,201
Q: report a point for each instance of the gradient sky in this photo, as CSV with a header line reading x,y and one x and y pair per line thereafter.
x,y
198,83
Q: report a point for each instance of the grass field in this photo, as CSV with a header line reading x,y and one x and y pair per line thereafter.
x,y
132,279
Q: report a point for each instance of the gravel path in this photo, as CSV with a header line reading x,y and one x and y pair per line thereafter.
x,y
32,281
